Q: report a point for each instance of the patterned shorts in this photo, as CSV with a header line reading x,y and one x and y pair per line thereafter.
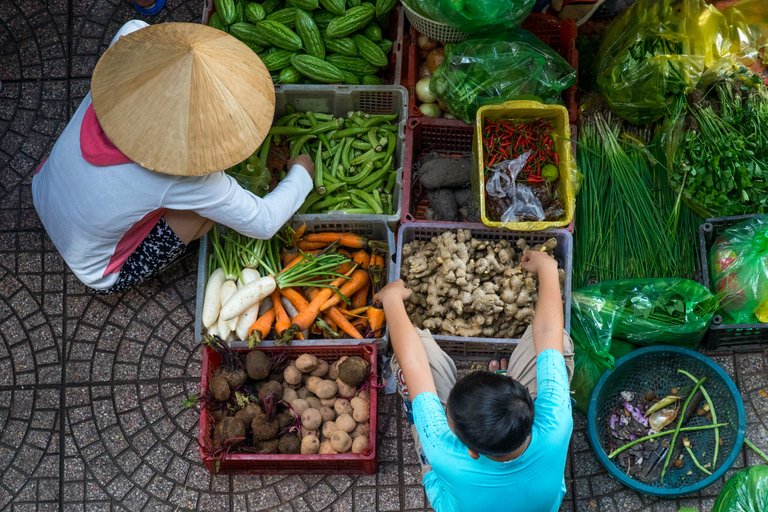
x,y
158,250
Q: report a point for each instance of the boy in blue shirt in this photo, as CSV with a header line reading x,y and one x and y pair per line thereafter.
x,y
489,442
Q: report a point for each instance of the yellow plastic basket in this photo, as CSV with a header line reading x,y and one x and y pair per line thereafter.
x,y
526,111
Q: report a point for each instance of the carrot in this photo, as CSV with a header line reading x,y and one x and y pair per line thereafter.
x,y
335,315
345,253
298,233
282,320
345,239
376,318
360,298
359,278
360,323
288,255
310,246
297,260
362,258
299,336
261,327
308,314
298,301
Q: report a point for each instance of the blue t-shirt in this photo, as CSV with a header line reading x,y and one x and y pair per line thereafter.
x,y
534,482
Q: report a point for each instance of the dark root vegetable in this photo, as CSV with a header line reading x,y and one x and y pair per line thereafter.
x,y
258,365
354,371
268,446
271,387
220,388
443,203
231,367
247,413
436,171
289,443
263,428
229,432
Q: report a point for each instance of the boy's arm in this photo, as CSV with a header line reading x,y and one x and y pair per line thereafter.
x,y
406,342
548,319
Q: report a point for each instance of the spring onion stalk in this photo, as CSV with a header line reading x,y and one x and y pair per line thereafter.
x,y
756,449
714,416
679,425
687,446
662,434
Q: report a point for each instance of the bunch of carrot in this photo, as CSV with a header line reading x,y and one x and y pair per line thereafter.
x,y
333,310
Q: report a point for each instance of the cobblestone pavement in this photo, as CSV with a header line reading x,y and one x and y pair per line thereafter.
x,y
91,388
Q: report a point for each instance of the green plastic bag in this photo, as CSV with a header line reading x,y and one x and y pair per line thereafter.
x,y
252,175
610,319
739,263
658,49
515,65
474,16
746,491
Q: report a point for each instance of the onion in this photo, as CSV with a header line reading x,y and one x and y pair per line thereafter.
x,y
430,110
448,115
426,43
422,92
424,72
434,58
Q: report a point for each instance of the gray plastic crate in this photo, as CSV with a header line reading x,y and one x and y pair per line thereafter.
x,y
338,100
374,229
722,335
473,348
393,75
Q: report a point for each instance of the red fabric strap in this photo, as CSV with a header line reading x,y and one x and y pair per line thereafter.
x,y
95,146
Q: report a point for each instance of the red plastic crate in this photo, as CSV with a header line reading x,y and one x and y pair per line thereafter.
x,y
272,464
560,35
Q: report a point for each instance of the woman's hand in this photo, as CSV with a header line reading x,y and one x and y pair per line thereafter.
x,y
306,162
395,290
537,261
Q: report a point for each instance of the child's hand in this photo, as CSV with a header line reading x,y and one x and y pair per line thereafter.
x,y
393,291
537,261
306,162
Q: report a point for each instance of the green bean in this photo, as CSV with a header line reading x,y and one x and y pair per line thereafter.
x,y
319,185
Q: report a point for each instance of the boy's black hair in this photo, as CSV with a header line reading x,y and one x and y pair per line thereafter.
x,y
491,413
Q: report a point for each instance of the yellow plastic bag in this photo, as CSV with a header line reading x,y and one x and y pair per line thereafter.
x,y
658,49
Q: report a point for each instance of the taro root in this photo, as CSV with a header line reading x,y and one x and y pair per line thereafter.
x,y
354,371
342,406
321,370
247,413
289,443
333,370
310,445
346,423
271,387
311,419
230,431
326,389
258,365
220,388
306,363
359,444
268,446
292,376
263,428
328,414
231,367
341,441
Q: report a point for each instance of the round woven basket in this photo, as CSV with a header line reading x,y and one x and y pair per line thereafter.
x,y
656,368
433,29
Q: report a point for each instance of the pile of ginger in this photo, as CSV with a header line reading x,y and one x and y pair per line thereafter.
x,y
467,287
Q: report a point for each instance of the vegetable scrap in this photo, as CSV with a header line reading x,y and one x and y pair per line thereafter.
x,y
463,286
267,404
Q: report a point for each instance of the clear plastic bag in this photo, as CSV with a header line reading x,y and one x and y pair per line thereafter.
x,y
502,183
513,65
474,16
632,313
658,49
739,263
746,491
252,175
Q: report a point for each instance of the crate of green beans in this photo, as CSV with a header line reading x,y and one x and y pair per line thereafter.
x,y
355,136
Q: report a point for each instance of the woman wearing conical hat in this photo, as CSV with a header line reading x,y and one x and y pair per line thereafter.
x,y
136,174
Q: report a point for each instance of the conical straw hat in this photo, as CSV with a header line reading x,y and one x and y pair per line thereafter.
x,y
183,99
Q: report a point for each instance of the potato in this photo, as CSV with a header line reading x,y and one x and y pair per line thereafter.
x,y
289,443
346,423
342,406
354,371
326,389
310,445
345,390
302,392
341,441
329,427
333,370
311,419
264,430
314,402
289,395
361,408
321,370
363,429
292,375
360,444
306,363
220,388
258,365
327,449
312,383
299,406
329,402
247,413
328,414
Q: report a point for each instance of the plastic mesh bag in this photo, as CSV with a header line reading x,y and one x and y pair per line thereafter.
x,y
473,16
658,49
515,65
739,263
632,313
746,491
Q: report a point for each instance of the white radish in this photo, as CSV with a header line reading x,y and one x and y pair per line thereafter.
x,y
231,338
247,296
292,312
246,319
213,330
212,300
266,305
228,289
223,328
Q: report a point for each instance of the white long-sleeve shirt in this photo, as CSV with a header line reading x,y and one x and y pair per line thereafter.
x,y
97,215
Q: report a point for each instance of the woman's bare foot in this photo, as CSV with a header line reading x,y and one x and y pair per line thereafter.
x,y
504,363
495,365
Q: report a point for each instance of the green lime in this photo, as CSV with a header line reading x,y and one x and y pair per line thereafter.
x,y
550,172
